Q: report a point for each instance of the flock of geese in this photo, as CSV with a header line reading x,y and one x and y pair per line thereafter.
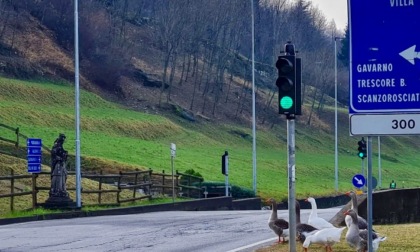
x,y
320,231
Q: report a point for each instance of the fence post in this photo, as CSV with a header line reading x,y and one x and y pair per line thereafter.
x,y
135,183
189,184
100,187
119,188
12,189
163,182
201,180
34,192
177,183
17,137
150,183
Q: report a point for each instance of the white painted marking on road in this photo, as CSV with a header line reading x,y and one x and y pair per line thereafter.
x,y
253,245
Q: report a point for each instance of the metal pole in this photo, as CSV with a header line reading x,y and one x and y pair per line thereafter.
x,y
227,176
254,147
336,123
173,179
173,154
369,192
379,163
76,86
292,180
363,168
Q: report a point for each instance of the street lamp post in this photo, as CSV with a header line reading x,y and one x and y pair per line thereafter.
x,y
254,145
335,118
77,106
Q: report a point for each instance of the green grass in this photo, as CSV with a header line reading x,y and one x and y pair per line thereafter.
x,y
400,238
41,211
28,213
118,136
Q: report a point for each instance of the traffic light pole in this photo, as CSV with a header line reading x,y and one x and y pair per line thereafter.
x,y
292,181
289,82
363,167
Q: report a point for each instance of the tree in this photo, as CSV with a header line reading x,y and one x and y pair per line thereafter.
x,y
344,54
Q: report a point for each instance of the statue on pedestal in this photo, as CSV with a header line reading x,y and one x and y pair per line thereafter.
x,y
58,196
58,168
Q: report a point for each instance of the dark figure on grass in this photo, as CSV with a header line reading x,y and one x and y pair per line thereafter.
x,y
392,185
58,168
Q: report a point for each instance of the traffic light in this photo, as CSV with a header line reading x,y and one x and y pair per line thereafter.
x,y
362,150
225,163
289,84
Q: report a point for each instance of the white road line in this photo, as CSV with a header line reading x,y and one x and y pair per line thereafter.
x,y
253,245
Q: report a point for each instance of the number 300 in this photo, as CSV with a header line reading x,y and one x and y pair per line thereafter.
x,y
403,124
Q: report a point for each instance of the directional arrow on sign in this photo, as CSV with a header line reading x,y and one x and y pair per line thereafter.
x,y
410,54
358,181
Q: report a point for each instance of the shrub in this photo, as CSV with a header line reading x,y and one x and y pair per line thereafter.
x,y
186,180
218,189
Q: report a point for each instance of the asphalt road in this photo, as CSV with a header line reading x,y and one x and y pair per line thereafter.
x,y
159,231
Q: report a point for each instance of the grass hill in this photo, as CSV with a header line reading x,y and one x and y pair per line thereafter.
x,y
116,138
127,127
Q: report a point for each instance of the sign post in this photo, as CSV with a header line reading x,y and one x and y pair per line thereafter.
x,y
173,154
34,154
225,171
384,74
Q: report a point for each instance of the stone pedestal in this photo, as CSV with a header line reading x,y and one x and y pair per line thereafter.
x,y
59,202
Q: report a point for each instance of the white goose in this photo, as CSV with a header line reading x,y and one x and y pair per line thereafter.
x,y
314,220
326,237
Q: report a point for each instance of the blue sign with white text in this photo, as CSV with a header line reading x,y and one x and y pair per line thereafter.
x,y
384,56
358,180
34,151
32,142
34,154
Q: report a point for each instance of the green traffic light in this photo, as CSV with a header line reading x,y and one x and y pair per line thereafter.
x,y
286,102
361,155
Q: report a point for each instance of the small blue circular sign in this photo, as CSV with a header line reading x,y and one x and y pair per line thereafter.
x,y
358,180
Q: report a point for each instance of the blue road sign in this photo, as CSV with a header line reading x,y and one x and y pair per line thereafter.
x,y
34,154
384,56
374,182
34,159
34,151
34,167
358,180
31,142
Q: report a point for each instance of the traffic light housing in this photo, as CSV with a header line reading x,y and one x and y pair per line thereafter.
x,y
225,163
289,84
362,149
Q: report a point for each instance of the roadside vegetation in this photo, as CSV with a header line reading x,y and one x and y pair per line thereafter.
x,y
400,238
114,138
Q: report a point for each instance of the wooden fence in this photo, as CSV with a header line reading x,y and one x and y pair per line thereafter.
x,y
141,184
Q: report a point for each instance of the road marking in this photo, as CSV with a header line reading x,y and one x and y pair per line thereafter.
x,y
253,245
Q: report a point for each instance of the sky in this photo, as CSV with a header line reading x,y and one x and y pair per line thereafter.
x,y
333,9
